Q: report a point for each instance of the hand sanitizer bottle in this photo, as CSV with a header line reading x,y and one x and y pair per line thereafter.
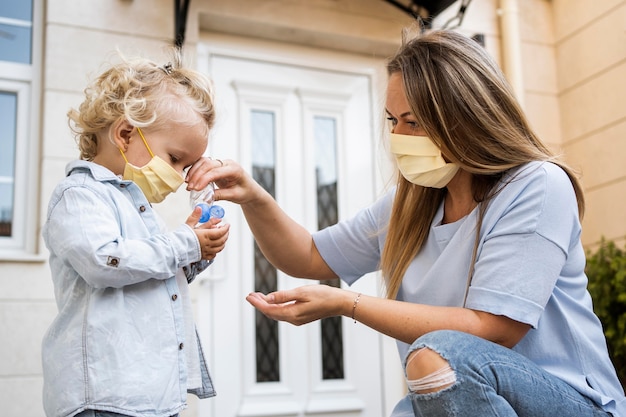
x,y
204,199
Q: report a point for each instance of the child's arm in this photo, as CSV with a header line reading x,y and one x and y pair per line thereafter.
x,y
110,244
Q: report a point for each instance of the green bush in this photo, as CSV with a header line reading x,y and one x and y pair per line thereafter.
x,y
606,269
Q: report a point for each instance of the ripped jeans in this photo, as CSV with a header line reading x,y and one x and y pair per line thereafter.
x,y
487,379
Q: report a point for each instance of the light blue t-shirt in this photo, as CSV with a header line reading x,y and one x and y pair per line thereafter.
x,y
529,267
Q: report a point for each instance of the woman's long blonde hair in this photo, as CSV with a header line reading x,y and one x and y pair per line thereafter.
x,y
460,97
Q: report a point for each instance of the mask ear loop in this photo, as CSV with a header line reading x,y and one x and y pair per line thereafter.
x,y
123,156
144,142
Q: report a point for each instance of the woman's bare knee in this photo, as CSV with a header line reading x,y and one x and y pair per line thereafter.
x,y
427,371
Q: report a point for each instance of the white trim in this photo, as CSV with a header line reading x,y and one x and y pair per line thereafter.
x,y
219,45
15,22
16,71
20,195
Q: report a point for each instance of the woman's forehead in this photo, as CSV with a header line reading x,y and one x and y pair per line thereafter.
x,y
396,101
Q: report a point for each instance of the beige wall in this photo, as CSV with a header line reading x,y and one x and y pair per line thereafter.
x,y
573,67
590,50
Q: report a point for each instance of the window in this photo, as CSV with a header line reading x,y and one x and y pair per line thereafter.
x,y
325,136
19,96
263,135
8,110
16,31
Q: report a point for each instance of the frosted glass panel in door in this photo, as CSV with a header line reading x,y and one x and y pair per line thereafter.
x,y
262,134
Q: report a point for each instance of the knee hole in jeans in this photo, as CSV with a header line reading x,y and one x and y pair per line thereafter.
x,y
427,372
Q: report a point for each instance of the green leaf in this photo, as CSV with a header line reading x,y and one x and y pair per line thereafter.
x,y
606,270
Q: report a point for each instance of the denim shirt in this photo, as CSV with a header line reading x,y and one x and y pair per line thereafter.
x,y
118,342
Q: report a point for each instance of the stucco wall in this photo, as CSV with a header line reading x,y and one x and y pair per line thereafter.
x,y
590,50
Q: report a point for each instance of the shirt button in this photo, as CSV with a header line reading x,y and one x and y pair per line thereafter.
x,y
174,297
122,185
181,346
142,208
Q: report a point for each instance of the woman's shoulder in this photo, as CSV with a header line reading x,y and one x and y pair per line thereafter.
x,y
544,175
538,194
382,206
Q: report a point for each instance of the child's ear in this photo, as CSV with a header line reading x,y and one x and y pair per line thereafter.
x,y
121,132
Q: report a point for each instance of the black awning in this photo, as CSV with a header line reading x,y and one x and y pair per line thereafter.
x,y
427,10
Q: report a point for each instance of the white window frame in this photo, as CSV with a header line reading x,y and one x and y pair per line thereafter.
x,y
24,80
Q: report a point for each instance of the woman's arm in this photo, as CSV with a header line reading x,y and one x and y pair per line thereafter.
x,y
286,244
403,321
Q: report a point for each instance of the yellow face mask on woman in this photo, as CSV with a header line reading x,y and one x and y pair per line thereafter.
x,y
156,179
420,161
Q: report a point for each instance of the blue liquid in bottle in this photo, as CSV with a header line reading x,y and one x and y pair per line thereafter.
x,y
204,199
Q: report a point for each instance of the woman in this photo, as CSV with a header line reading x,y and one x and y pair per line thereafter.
x,y
479,245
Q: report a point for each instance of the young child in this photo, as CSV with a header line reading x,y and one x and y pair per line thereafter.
x,y
124,341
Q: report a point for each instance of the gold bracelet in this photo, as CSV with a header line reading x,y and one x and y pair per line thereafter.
x,y
356,301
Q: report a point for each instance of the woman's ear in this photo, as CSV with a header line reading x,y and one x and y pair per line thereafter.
x,y
121,133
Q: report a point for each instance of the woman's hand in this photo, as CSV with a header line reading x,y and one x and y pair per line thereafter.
x,y
303,304
233,183
400,320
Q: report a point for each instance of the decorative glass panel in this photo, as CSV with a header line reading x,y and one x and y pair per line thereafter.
x,y
8,114
265,276
325,133
16,31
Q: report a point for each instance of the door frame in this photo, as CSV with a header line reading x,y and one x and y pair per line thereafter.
x,y
214,44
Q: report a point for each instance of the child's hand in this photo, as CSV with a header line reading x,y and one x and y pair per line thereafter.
x,y
212,235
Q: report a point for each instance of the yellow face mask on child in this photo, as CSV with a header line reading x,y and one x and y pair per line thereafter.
x,y
420,161
156,179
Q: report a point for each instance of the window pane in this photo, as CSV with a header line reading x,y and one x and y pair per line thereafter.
x,y
16,30
325,150
15,43
265,275
325,133
8,106
17,9
263,138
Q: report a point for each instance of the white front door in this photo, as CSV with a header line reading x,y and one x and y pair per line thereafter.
x,y
306,133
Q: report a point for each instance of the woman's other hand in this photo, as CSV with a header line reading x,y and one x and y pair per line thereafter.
x,y
303,304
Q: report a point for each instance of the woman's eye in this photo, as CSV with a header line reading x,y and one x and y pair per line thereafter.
x,y
174,159
392,120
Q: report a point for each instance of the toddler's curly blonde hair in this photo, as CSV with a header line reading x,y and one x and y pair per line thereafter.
x,y
145,94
